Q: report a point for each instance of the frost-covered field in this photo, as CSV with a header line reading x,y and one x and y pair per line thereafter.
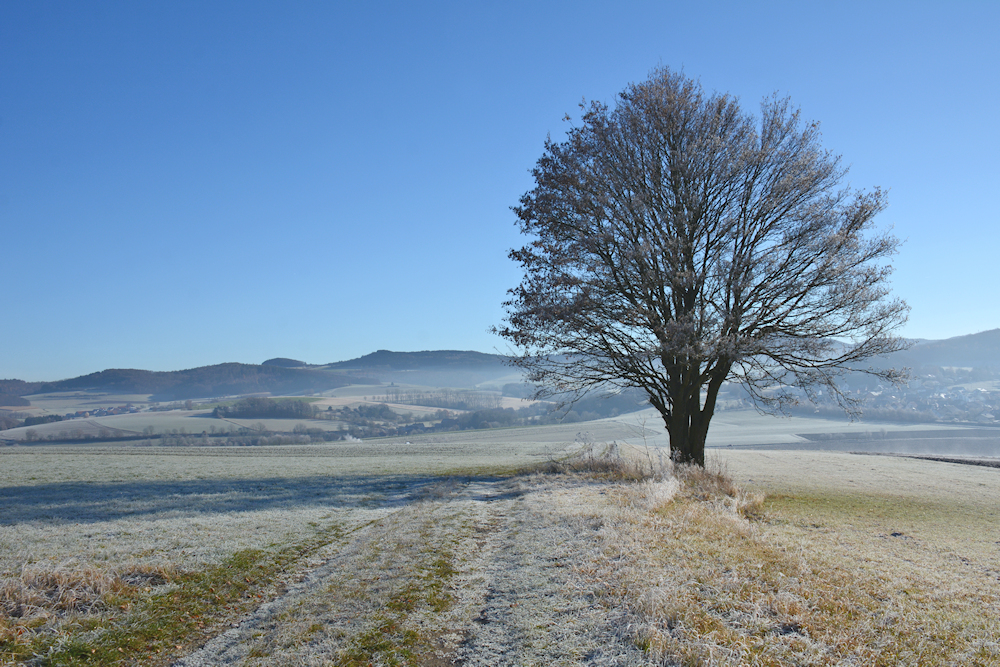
x,y
62,505
189,422
425,551
114,504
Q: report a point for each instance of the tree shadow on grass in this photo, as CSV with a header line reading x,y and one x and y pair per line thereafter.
x,y
84,502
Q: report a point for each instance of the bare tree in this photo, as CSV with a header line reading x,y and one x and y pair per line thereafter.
x,y
677,242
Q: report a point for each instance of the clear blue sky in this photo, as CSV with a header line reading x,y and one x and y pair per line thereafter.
x,y
188,183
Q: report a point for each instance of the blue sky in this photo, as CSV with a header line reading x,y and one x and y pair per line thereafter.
x,y
188,183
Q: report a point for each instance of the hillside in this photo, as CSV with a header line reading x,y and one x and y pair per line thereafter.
x,y
977,350
285,362
407,361
453,368
439,368
18,387
279,376
205,381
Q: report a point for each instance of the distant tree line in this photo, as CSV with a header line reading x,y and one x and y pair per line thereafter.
x,y
451,399
588,408
19,387
257,407
242,436
42,419
246,438
13,401
366,420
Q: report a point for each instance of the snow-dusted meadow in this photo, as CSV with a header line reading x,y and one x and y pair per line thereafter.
x,y
108,506
443,549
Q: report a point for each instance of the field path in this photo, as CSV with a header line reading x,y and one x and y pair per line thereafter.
x,y
476,572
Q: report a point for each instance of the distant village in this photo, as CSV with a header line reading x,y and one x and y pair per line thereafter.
x,y
127,409
928,400
929,397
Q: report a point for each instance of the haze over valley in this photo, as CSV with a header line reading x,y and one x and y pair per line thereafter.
x,y
951,405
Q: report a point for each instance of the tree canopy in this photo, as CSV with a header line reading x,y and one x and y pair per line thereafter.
x,y
677,242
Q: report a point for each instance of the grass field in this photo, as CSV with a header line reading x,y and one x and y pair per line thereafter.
x,y
174,421
193,421
63,402
433,552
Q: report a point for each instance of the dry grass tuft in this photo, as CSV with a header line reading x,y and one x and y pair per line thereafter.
x,y
610,462
714,484
705,483
717,576
44,593
653,495
53,591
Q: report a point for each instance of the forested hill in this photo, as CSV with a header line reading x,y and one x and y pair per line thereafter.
x,y
406,361
19,387
202,382
286,362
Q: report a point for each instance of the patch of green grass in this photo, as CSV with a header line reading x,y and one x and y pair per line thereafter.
x,y
841,503
385,643
389,641
152,629
437,577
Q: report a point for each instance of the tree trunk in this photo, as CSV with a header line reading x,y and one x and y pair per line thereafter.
x,y
687,422
687,440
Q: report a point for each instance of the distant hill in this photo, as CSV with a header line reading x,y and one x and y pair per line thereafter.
x,y
443,368
285,362
280,375
978,350
13,401
202,382
407,361
18,387
440,368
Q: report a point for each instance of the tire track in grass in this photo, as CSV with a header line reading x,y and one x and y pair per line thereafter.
x,y
243,642
533,607
478,572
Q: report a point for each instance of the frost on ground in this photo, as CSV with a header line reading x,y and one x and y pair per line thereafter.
x,y
489,572
567,570
851,560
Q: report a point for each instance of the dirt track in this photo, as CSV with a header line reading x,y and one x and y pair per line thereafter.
x,y
478,572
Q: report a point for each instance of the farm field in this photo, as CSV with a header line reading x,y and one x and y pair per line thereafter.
x,y
196,420
182,421
749,429
63,402
730,428
434,551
